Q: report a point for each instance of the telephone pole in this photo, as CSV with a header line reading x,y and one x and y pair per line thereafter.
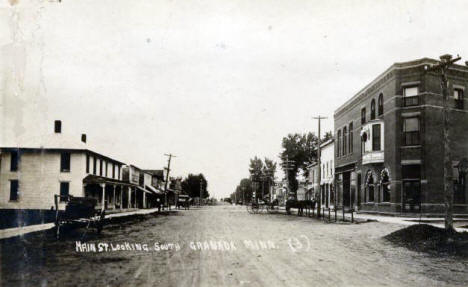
x,y
167,176
319,163
442,67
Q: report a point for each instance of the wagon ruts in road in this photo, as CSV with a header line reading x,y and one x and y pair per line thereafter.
x,y
78,211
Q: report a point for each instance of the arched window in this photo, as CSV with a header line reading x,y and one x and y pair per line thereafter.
x,y
338,144
351,139
363,116
380,102
370,186
385,185
345,140
372,110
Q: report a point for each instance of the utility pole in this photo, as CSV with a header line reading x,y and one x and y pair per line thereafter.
x,y
167,176
444,64
319,206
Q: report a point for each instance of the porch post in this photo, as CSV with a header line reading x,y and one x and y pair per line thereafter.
x,y
113,200
121,197
129,201
103,199
135,201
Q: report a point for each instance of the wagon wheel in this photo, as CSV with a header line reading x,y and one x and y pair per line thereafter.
x,y
271,208
249,208
255,208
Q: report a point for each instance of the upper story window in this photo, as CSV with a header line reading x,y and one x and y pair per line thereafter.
x,y
14,190
14,160
411,131
107,164
351,140
65,162
345,140
458,96
94,164
118,172
376,146
113,170
100,167
372,110
410,96
363,116
380,104
87,163
338,144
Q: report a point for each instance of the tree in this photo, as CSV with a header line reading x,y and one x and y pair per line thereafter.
x,y
328,135
191,186
302,150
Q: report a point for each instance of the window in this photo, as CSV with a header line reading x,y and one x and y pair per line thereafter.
x,y
65,162
106,167
376,137
380,103
411,175
100,167
458,96
351,140
370,187
64,190
14,160
372,110
411,131
345,138
87,163
410,96
118,173
385,186
363,116
338,144
113,170
94,164
57,127
327,169
13,190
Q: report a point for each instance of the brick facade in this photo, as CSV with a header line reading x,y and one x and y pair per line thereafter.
x,y
389,167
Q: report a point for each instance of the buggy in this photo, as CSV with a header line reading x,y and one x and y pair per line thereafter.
x,y
78,211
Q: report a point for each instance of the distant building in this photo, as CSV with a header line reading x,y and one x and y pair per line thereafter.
x,y
389,141
327,175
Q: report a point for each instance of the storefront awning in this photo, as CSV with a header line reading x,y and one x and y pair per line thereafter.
x,y
153,190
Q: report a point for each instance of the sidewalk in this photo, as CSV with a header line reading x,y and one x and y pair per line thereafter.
x,y
434,221
17,231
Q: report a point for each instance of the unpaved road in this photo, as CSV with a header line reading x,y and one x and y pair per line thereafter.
x,y
291,251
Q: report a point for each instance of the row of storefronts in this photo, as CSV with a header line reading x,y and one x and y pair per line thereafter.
x,y
35,170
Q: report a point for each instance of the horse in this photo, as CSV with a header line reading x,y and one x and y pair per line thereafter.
x,y
300,205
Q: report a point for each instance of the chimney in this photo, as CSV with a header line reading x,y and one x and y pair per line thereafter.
x,y
83,138
58,127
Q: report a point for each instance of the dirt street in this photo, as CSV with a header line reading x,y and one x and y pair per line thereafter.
x,y
245,250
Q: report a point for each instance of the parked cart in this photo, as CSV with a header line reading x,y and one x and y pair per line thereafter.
x,y
78,211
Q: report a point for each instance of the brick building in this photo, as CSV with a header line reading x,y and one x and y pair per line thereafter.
x,y
389,141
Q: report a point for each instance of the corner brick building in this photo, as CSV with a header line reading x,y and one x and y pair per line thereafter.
x,y
389,142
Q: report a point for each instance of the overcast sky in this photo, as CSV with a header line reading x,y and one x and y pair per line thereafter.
x,y
213,82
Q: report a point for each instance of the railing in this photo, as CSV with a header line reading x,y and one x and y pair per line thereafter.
x,y
411,101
